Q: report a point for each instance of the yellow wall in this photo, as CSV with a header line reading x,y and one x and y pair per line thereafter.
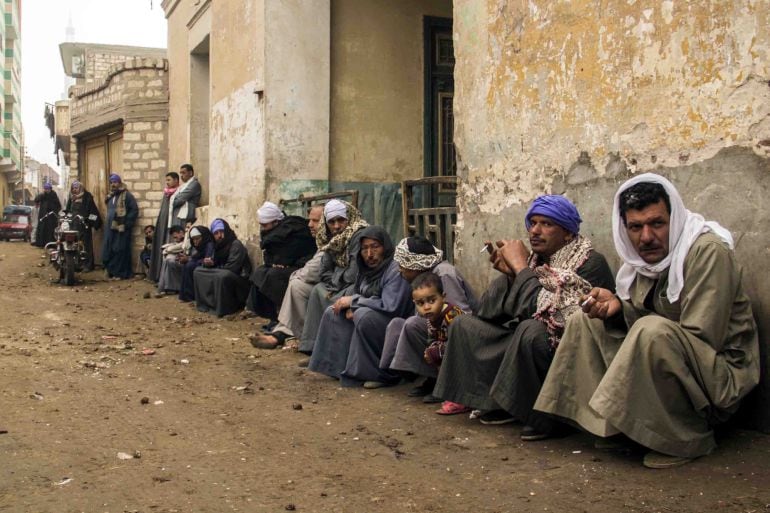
x,y
377,88
178,84
5,191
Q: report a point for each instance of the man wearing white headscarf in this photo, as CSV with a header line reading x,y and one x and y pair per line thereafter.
x,y
674,352
286,245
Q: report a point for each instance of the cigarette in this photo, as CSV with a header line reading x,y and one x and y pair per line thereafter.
x,y
483,248
586,302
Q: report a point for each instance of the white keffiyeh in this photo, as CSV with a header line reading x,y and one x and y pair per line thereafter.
x,y
684,228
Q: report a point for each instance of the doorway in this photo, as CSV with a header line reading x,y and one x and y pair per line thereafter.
x,y
440,158
101,156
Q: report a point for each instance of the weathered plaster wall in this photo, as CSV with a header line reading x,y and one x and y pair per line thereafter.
x,y
179,82
576,96
237,154
296,93
377,88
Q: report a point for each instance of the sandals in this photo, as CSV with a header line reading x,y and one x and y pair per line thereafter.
x,y
450,408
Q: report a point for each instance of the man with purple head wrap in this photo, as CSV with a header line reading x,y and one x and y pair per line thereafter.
x,y
48,206
496,360
122,212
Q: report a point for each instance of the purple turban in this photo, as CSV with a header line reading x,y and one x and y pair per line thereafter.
x,y
217,225
47,186
558,208
115,178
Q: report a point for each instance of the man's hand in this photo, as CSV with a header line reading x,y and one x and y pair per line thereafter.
x,y
182,258
600,304
510,255
349,314
341,304
208,262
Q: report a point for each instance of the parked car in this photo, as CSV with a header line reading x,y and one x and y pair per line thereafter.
x,y
16,223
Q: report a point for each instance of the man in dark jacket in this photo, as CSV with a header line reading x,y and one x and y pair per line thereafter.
x,y
287,245
122,212
81,203
48,206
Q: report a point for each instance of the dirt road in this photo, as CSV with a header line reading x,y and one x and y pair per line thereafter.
x,y
208,424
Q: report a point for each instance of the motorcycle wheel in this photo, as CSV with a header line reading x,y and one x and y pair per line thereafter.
x,y
69,269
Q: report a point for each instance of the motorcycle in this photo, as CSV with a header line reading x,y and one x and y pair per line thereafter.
x,y
67,252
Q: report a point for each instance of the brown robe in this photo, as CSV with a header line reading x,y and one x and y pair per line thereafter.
x,y
673,371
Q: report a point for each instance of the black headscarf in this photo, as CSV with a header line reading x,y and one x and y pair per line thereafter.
x,y
368,282
222,246
206,238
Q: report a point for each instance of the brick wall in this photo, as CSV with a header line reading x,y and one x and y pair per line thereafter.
x,y
133,92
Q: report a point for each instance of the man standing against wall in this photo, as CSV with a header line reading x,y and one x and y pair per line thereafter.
x,y
161,226
122,212
186,198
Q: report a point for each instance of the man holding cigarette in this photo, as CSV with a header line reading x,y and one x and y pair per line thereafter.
x,y
674,352
497,359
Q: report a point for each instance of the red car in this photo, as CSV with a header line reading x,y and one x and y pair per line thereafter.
x,y
16,223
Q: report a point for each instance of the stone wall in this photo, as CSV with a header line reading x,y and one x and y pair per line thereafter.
x,y
145,155
100,60
134,95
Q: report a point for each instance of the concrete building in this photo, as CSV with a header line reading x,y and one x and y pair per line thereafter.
x,y
534,97
11,152
319,95
118,116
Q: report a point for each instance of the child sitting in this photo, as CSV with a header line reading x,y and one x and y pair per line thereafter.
x,y
428,296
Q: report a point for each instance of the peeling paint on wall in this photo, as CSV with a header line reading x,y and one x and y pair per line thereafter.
x,y
238,183
575,96
660,84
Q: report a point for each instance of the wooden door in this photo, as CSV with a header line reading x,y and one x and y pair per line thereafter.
x,y
102,155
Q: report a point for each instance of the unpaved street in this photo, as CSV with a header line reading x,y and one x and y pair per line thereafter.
x,y
208,424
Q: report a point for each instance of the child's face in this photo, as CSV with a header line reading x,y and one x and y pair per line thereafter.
x,y
428,301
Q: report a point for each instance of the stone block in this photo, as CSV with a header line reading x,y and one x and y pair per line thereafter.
x,y
152,214
131,175
130,156
141,186
142,125
143,204
141,146
141,165
158,125
155,146
130,136
148,155
154,195
157,164
155,137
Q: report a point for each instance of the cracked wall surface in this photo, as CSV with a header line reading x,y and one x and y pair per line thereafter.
x,y
574,97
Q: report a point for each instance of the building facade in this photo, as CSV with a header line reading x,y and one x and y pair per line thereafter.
x,y
517,98
12,143
118,117
307,96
